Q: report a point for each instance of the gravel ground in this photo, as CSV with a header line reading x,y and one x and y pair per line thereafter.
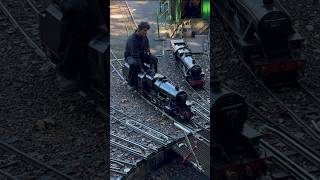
x,y
62,130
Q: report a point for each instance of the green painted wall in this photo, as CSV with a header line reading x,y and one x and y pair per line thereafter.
x,y
178,11
205,10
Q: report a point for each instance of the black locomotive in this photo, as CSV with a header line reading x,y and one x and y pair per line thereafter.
x,y
263,33
70,36
235,145
157,89
192,71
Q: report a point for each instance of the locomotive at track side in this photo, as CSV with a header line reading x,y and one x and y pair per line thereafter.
x,y
157,89
235,146
264,35
192,71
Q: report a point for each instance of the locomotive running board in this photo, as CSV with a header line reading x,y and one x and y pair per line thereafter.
x,y
200,149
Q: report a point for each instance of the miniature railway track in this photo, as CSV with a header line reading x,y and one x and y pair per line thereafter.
x,y
19,18
123,6
160,139
193,125
296,149
16,159
293,124
284,107
19,15
150,141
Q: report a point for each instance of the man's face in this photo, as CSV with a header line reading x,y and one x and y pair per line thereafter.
x,y
143,32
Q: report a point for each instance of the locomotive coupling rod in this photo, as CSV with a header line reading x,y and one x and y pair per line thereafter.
x,y
191,149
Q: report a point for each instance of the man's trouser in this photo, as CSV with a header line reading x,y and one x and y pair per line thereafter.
x,y
135,68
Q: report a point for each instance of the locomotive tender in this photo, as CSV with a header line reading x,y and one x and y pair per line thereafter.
x,y
157,89
263,33
235,146
192,71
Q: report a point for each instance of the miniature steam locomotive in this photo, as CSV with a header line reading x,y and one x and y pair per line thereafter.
x,y
192,72
157,89
263,33
56,30
235,145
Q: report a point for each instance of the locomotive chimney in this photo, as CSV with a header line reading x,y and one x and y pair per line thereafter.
x,y
215,83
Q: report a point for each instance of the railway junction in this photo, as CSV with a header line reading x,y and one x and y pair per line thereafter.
x,y
146,142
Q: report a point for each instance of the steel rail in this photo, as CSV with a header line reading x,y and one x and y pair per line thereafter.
x,y
306,151
295,169
38,50
207,118
121,161
34,8
117,171
9,176
134,143
164,138
127,148
140,130
32,160
119,74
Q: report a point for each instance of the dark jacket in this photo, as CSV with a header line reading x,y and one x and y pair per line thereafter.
x,y
136,45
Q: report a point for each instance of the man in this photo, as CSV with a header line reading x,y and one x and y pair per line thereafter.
x,y
137,53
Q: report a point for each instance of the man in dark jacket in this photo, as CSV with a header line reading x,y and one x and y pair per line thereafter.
x,y
137,52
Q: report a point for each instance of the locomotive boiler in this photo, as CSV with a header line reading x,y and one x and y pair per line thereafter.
x,y
159,91
264,35
235,146
192,71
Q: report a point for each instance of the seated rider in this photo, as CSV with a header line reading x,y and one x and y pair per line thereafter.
x,y
137,53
